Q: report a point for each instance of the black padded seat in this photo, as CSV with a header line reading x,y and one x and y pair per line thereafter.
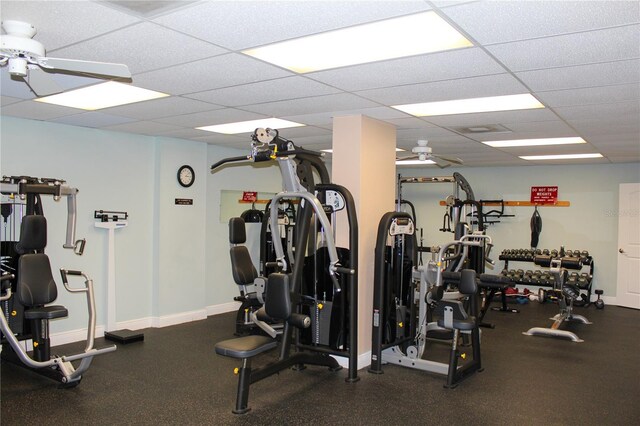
x,y
495,279
468,324
46,312
245,347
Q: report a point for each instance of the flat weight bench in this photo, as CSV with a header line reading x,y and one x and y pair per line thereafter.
x,y
277,307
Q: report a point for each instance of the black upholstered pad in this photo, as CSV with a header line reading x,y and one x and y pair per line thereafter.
x,y
237,231
245,347
242,267
46,312
33,234
35,282
468,283
468,324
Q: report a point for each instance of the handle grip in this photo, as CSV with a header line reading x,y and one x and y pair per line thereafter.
x,y
7,277
65,272
343,270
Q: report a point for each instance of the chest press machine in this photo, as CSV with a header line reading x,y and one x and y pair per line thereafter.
x,y
28,287
288,297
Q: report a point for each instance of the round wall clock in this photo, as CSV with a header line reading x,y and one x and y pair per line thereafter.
x,y
186,176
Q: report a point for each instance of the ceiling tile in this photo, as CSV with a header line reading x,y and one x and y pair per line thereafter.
x,y
92,119
208,118
160,108
426,132
242,24
499,117
305,131
408,123
601,111
607,45
502,21
60,23
271,91
624,158
310,105
184,133
142,127
449,65
162,48
582,76
537,126
219,71
36,110
590,95
475,87
7,100
325,119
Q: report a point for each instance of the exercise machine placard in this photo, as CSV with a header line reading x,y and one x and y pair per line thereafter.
x,y
544,194
184,201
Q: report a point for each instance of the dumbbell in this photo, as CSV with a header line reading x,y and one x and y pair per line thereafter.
x,y
599,302
545,252
568,253
584,253
554,253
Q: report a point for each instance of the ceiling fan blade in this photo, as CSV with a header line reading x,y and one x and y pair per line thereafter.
x,y
454,160
410,157
41,83
86,67
442,166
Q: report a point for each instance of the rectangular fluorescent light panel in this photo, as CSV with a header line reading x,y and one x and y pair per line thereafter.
x,y
534,142
560,157
103,95
473,105
250,126
330,151
413,162
392,38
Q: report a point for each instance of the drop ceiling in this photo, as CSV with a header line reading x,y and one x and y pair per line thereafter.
x,y
581,59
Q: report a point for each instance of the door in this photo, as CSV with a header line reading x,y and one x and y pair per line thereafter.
x,y
628,291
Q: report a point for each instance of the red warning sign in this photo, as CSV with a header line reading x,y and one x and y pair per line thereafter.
x,y
249,196
544,194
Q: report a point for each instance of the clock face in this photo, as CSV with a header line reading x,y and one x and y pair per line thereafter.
x,y
186,176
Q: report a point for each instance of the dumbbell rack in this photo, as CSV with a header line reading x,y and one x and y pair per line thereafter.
x,y
543,278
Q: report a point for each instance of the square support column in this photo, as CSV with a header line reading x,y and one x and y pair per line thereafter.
x,y
364,152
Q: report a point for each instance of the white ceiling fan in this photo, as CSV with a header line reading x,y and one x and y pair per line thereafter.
x,y
26,61
423,152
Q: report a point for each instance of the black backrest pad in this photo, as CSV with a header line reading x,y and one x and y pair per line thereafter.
x,y
241,266
33,234
278,297
237,232
468,283
35,282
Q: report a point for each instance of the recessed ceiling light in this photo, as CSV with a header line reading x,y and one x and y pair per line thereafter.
x,y
534,142
392,38
103,95
250,126
414,162
561,157
330,151
467,106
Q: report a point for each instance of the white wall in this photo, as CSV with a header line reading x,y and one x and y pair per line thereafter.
x,y
590,223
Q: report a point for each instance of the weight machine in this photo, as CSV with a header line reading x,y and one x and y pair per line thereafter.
x,y
321,305
27,285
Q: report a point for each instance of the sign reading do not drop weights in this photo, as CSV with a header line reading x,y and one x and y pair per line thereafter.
x,y
544,194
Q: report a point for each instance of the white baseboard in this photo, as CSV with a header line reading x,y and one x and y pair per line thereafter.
x,y
222,308
64,337
181,318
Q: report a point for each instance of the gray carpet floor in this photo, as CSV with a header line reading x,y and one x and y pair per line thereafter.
x,y
175,378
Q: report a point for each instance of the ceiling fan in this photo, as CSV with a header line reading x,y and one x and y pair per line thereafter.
x,y
423,152
26,61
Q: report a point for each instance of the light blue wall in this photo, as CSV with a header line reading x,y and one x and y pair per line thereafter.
x,y
590,223
170,259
